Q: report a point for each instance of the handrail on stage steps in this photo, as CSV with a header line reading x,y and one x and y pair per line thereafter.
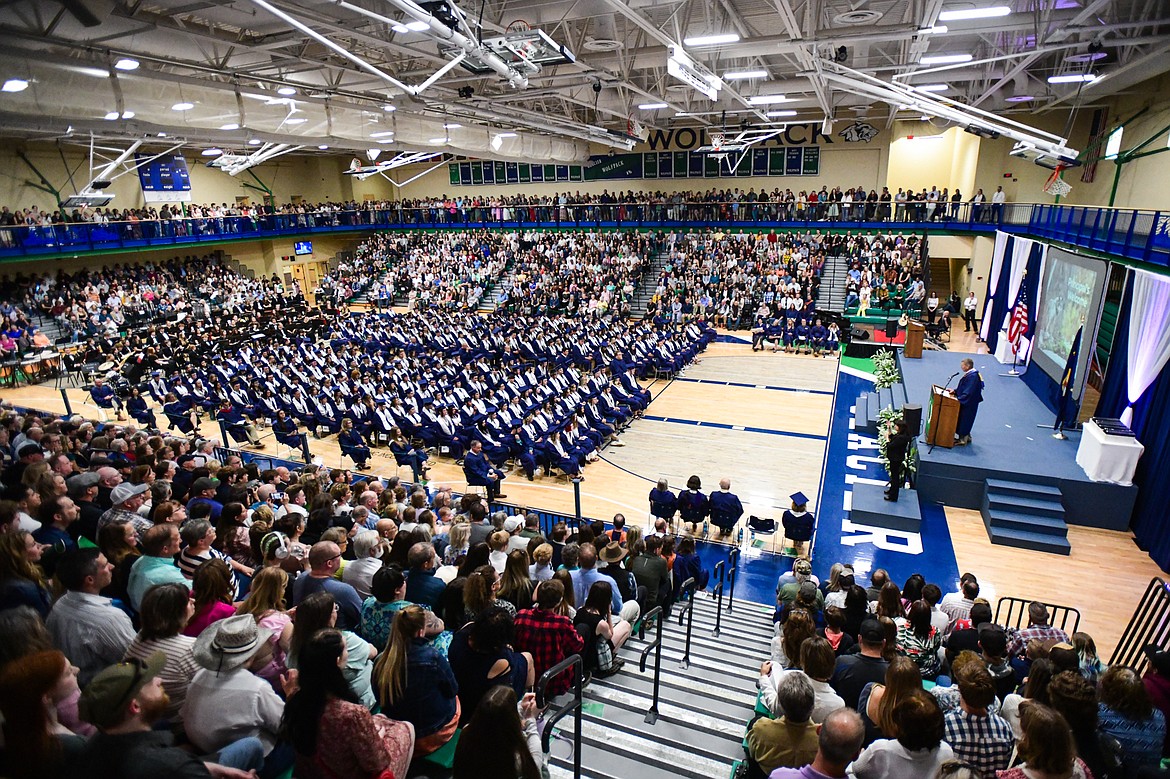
x,y
687,589
719,573
572,705
656,647
1150,624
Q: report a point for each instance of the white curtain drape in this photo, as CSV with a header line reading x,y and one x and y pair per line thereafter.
x,y
1149,335
993,290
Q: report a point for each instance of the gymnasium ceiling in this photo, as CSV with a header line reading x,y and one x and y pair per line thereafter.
x,y
249,74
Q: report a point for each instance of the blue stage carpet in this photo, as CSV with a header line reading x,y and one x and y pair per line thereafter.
x,y
853,457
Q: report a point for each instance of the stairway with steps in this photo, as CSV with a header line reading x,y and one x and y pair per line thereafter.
x,y
835,274
647,284
869,404
1025,515
702,710
940,277
488,304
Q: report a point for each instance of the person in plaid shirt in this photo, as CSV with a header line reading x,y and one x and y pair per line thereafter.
x,y
983,739
1038,628
549,636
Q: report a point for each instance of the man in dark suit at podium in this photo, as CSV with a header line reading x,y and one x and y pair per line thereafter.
x,y
969,393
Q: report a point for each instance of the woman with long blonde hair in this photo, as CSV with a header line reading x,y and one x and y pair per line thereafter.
x,y
266,604
877,701
414,683
21,580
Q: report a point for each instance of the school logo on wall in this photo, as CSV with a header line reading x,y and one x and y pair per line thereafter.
x,y
859,131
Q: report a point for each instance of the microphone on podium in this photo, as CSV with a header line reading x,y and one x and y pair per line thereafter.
x,y
952,378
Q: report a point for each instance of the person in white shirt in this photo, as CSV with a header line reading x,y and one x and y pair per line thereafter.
x,y
919,749
359,574
997,201
91,631
969,305
818,661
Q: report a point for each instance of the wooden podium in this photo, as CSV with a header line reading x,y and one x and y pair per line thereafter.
x,y
915,332
944,418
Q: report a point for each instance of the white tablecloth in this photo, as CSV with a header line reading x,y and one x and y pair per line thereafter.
x,y
1003,351
1109,458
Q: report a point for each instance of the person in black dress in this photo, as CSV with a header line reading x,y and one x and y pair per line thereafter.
x,y
896,447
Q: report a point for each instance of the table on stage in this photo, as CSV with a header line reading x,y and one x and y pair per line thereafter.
x,y
1108,458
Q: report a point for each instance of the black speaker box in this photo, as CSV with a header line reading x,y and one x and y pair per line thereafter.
x,y
912,416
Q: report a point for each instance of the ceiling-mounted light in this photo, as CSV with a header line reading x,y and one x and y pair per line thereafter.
x,y
254,142
506,135
774,114
296,120
417,26
14,85
930,87
229,126
438,140
389,108
1072,78
322,147
160,135
126,63
182,106
938,29
452,126
711,40
111,116
286,91
741,75
1019,99
945,59
767,99
651,106
399,28
212,152
382,134
127,114
989,12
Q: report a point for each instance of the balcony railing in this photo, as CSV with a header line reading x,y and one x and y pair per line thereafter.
x,y
1137,235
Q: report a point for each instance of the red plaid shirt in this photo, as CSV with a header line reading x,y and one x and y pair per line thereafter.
x,y
550,638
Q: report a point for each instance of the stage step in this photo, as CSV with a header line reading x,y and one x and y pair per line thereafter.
x,y
1022,539
1022,489
1023,515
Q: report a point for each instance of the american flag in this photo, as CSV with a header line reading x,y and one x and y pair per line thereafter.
x,y
1018,326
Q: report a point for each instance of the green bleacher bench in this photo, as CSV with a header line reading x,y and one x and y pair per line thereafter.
x,y
445,755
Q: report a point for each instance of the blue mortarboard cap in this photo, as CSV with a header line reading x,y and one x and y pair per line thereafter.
x,y
799,498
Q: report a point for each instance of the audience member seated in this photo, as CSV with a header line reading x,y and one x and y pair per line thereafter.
x,y
787,741
855,671
981,738
91,631
917,750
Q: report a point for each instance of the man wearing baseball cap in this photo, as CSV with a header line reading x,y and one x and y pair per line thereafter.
x,y
124,702
127,498
203,491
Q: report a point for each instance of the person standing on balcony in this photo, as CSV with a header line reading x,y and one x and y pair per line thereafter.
x,y
997,201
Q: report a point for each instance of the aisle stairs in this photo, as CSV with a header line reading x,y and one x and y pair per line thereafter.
x,y
835,274
702,710
1025,515
488,304
648,283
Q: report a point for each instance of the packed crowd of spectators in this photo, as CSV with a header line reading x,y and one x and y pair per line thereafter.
x,y
886,682
577,273
885,272
167,611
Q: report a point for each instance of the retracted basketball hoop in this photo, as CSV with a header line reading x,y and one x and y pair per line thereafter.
x,y
1056,185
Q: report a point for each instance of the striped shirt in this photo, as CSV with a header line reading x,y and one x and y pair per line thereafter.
x,y
180,667
91,631
985,742
189,563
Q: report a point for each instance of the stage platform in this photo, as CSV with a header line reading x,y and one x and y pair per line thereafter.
x,y
1009,446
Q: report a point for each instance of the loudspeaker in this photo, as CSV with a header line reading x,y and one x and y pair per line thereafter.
x,y
912,416
891,328
860,334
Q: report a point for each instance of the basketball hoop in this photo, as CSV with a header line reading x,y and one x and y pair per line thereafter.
x,y
1056,185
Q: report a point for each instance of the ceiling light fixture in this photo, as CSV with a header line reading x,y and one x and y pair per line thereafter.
x,y
126,64
417,26
651,106
182,106
296,120
127,114
506,135
254,142
111,116
286,91
740,75
399,28
14,85
767,99
212,152
938,29
989,12
945,59
774,114
322,147
452,126
711,40
930,87
382,134
438,140
229,126
1072,78
389,108
1019,99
